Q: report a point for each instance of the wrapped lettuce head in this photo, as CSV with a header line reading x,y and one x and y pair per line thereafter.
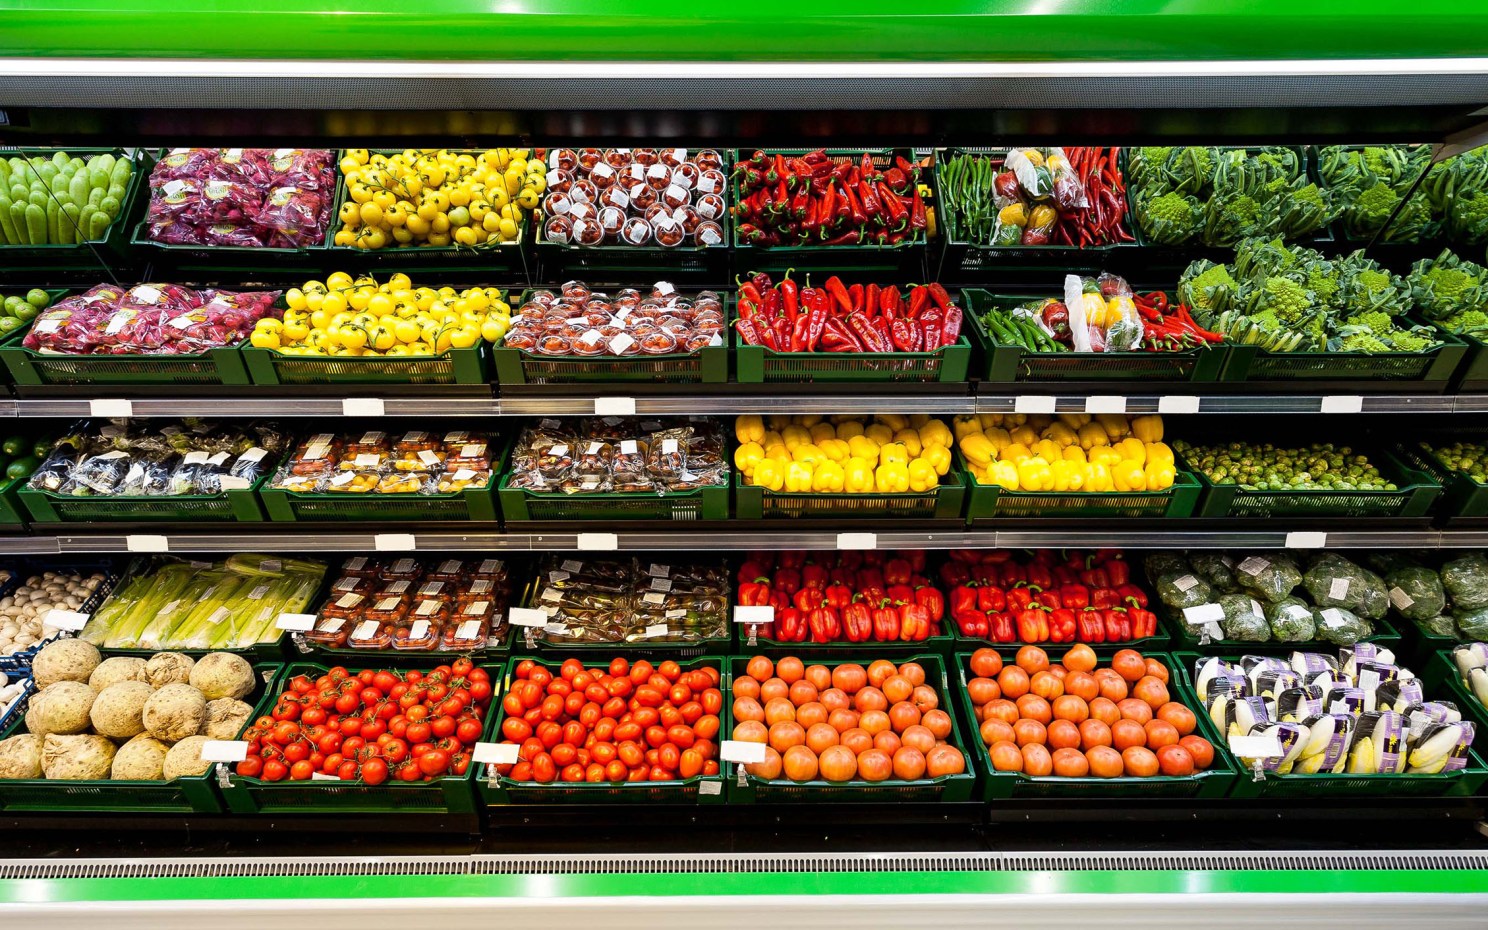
x,y
1291,621
1243,619
1466,580
1269,576
1217,569
1416,592
1183,589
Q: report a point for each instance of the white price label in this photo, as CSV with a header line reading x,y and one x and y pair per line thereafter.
x,y
1400,599
1306,540
615,406
661,584
1034,403
1254,565
1341,403
1203,613
598,542
495,753
1185,582
1105,403
857,540
219,615
365,630
710,787
526,616
1261,746
65,619
1338,589
300,623
322,776
147,543
656,629
732,750
655,598
363,407
470,629
110,407
394,542
418,630
657,570
1332,618
760,614
224,750
1178,403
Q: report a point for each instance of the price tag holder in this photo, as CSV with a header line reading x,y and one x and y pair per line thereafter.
x,y
1341,403
1034,403
1261,746
137,543
857,540
1306,540
322,776
1178,403
296,623
605,542
65,619
526,616
756,615
110,407
1105,403
614,406
394,542
495,753
224,750
363,407
732,750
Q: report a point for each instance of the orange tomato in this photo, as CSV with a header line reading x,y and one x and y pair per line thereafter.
x,y
1032,659
1067,707
779,709
1105,762
888,741
920,737
1180,717
914,671
856,740
1030,731
811,713
1013,681
821,736
759,668
785,734
1034,708
1105,710
909,764
1093,733
1063,734
790,670
1036,760
982,690
880,670
986,663
1046,685
1007,757
1133,709
745,686
1157,670
843,720
802,692
1127,733
799,764
874,721
1079,658
875,765
938,722
1175,760
1139,761
944,760
1201,750
770,768
1160,733
838,763
1082,685
849,678
1151,691
751,731
902,716
820,676
1070,763
1129,664
998,731
1002,709
897,688
834,699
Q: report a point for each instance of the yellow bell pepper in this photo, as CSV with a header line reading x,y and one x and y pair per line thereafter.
x,y
1002,473
1068,475
910,440
1042,216
936,433
795,436
939,458
1159,475
1128,476
917,420
1097,477
1074,454
1060,433
779,421
849,429
1092,435
922,476
768,474
976,448
1096,311
1074,420
891,478
778,453
894,421
1048,450
1132,450
747,456
1114,424
798,477
966,425
1034,475
828,478
1000,438
990,420
772,438
809,420
1158,452
1025,434
879,433
749,428
1104,455
1016,452
864,448
893,453
1011,421
1014,214
1148,428
822,431
834,449
859,474
809,452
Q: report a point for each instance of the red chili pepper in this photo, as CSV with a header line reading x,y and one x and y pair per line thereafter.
x,y
854,205
894,203
918,219
888,302
827,210
939,295
849,340
919,299
929,325
781,329
748,333
866,169
950,330
790,297
816,325
872,206
855,298
901,334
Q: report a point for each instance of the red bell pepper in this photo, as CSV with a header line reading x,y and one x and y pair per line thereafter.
x,y
814,576
1119,571
790,626
1096,577
857,623
838,596
972,623
933,601
897,571
1105,598
754,594
886,625
1132,595
901,594
1092,626
792,559
1003,629
1020,599
1062,626
954,573
963,598
1118,626
825,625
1033,625
914,623
1049,599
1074,596
1144,622
871,579
788,580
809,599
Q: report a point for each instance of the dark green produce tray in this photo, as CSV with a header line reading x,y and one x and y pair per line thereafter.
x,y
1214,782
747,789
228,507
1461,496
994,502
699,789
455,366
942,645
1417,492
28,367
1014,363
12,514
522,506
185,795
1434,367
1440,674
1462,783
1473,376
115,241
946,502
449,794
1385,634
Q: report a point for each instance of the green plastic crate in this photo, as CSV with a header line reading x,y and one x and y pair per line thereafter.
x,y
520,505
188,794
1473,376
1461,496
1441,675
1462,783
748,789
456,366
12,515
1007,363
115,240
991,501
1433,368
448,794
28,367
237,505
1417,492
1214,782
946,502
942,645
1185,638
495,789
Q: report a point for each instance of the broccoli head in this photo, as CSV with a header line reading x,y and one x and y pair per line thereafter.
x,y
1446,284
1171,219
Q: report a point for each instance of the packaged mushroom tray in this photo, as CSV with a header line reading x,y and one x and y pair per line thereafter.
x,y
638,198
377,462
608,601
417,605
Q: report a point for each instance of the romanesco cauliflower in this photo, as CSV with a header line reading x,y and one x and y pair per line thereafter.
x,y
1228,220
1362,341
1446,284
1468,217
1207,290
1171,219
1468,321
1416,339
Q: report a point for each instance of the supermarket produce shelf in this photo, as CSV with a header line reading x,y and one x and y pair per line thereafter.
x,y
725,538
538,403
